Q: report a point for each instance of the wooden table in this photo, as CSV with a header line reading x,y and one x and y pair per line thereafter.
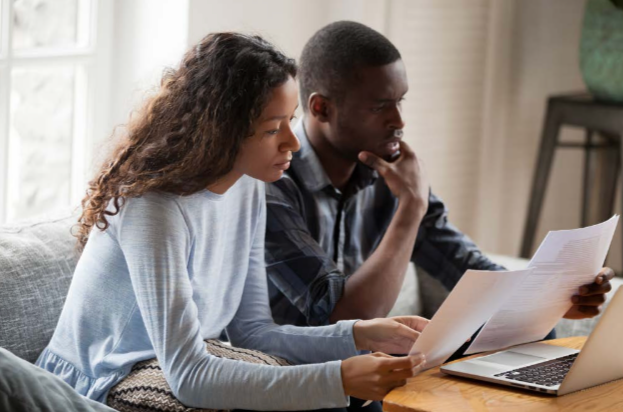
x,y
434,391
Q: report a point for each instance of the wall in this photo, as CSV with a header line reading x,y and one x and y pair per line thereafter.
x,y
288,24
479,71
536,54
148,37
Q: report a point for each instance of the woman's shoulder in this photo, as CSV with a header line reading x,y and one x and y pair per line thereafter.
x,y
153,207
161,202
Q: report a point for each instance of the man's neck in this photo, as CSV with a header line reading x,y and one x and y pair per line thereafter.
x,y
338,168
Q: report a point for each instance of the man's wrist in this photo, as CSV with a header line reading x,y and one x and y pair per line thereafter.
x,y
413,205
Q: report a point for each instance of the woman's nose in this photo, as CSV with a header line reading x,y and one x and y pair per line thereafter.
x,y
292,143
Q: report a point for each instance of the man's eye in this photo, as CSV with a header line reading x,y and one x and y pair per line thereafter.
x,y
377,109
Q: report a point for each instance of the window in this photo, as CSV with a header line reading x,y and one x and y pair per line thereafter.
x,y
49,71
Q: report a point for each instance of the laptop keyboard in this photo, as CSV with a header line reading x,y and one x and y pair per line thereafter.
x,y
548,373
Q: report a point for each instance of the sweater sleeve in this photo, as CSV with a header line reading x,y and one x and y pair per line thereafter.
x,y
156,242
253,326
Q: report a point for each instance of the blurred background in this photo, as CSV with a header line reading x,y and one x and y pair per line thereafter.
x,y
480,72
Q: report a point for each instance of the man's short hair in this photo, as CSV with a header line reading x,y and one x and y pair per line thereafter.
x,y
332,56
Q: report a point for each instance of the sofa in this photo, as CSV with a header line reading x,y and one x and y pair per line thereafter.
x,y
38,257
37,260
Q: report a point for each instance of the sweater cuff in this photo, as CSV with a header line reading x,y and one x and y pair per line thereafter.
x,y
346,329
336,389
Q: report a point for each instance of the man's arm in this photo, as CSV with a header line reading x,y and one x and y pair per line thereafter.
x,y
300,269
372,290
443,251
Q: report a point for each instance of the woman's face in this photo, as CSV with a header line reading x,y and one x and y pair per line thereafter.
x,y
267,154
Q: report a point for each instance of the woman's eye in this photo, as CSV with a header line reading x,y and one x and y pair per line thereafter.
x,y
272,132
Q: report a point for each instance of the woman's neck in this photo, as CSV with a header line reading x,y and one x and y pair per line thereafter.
x,y
223,184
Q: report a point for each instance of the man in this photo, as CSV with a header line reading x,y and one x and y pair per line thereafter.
x,y
355,207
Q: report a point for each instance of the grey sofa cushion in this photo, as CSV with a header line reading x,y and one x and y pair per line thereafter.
x,y
27,388
37,261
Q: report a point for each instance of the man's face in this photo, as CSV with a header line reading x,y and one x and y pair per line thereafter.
x,y
369,117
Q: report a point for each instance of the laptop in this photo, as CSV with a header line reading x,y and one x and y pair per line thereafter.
x,y
552,369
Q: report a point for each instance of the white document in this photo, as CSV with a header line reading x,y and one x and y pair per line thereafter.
x,y
477,296
565,260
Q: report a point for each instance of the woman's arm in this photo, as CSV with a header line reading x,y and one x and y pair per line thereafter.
x,y
156,242
253,325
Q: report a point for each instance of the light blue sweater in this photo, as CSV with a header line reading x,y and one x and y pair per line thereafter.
x,y
171,271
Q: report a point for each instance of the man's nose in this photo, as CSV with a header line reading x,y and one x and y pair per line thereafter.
x,y
396,120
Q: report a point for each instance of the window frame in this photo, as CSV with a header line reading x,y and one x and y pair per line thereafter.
x,y
90,114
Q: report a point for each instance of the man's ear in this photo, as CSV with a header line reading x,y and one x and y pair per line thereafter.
x,y
319,107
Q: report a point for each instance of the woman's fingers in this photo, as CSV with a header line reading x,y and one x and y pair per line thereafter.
x,y
417,323
406,332
381,355
402,374
401,363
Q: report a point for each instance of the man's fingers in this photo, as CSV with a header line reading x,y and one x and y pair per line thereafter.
x,y
595,289
605,274
592,300
591,311
373,161
405,148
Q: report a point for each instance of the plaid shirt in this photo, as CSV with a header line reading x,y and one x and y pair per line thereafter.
x,y
317,236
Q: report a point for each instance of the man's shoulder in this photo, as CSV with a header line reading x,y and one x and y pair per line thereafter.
x,y
285,189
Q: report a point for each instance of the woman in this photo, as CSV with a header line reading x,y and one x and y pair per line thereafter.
x,y
177,252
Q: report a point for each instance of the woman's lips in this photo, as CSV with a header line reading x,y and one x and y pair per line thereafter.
x,y
283,166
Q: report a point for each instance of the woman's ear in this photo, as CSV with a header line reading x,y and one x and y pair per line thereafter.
x,y
319,107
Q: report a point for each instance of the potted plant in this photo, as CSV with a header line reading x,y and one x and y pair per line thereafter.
x,y
601,49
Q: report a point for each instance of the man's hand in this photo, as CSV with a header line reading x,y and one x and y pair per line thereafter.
x,y
389,335
590,298
405,177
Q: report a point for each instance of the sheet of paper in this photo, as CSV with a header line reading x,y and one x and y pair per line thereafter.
x,y
477,296
565,260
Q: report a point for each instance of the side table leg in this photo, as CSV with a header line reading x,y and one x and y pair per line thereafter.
x,y
610,176
588,177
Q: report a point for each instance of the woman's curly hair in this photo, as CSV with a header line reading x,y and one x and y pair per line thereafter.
x,y
189,134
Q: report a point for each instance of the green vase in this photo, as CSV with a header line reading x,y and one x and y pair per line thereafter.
x,y
601,49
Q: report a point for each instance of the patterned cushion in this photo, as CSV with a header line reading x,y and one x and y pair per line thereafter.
x,y
145,388
37,261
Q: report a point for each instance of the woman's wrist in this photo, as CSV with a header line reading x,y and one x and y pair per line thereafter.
x,y
359,336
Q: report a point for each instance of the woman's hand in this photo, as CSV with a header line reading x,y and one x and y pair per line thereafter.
x,y
389,335
373,376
